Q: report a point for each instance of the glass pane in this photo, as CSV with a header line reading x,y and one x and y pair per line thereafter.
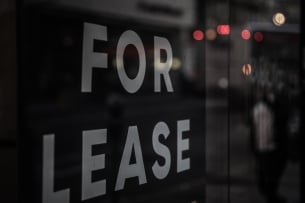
x,y
112,102
265,111
217,30
185,101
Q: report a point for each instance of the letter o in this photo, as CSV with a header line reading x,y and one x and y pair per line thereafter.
x,y
127,38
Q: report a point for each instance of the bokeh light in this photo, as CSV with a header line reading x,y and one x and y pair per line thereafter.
x,y
176,63
258,36
211,34
247,69
245,34
223,29
279,19
198,35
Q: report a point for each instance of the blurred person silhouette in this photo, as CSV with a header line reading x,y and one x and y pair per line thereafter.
x,y
268,144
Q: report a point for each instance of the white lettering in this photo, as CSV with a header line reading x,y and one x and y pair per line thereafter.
x,y
126,169
48,196
92,59
162,68
90,163
161,172
127,38
182,145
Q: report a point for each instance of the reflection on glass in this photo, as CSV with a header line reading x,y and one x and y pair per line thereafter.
x,y
279,19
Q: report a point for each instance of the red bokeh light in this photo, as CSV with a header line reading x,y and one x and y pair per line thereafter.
x,y
258,36
223,29
198,35
245,34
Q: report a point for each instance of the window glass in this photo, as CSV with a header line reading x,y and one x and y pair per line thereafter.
x,y
157,101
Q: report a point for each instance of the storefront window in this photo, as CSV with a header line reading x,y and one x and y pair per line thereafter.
x,y
152,101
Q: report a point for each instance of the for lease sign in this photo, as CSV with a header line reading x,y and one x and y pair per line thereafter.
x,y
106,113
92,60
